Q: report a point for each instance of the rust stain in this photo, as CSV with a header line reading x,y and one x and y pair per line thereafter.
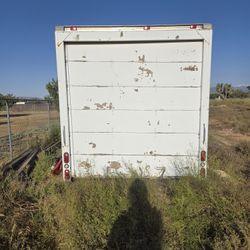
x,y
86,107
85,164
141,59
104,105
92,144
190,68
114,164
148,72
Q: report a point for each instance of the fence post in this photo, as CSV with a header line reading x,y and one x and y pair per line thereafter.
x,y
9,130
48,116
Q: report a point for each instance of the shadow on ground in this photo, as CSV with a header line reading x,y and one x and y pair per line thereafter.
x,y
140,227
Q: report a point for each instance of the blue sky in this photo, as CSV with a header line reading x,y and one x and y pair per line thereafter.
x,y
27,51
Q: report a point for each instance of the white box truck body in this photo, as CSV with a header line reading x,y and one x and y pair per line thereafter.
x,y
134,97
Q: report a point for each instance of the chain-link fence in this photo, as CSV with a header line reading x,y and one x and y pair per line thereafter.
x,y
24,123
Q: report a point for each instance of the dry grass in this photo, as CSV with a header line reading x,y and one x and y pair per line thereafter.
x,y
138,213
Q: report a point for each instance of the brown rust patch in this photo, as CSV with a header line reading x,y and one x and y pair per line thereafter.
x,y
146,71
86,107
190,68
85,164
104,105
114,164
92,144
141,59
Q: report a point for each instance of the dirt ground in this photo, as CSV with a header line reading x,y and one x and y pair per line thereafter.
x,y
23,121
229,120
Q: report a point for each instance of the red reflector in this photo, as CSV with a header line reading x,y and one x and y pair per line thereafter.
x,y
193,26
146,27
66,174
66,157
203,155
73,28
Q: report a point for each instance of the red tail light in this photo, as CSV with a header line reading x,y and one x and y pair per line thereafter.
x,y
66,174
146,27
73,28
193,26
203,155
66,157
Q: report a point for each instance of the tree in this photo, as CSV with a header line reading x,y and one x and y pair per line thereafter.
x,y
227,90
52,88
11,99
248,87
224,90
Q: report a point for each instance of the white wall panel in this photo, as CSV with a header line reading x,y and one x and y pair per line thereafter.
x,y
89,121
134,74
135,144
159,166
136,52
135,98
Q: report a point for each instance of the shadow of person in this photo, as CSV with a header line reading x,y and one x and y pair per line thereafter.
x,y
141,226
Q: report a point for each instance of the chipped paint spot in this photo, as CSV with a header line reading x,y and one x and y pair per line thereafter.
x,y
147,72
136,90
158,122
136,79
190,68
77,37
141,59
104,105
139,161
149,123
92,144
121,34
86,107
114,164
85,164
177,37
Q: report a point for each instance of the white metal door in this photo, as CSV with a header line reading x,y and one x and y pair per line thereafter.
x,y
134,105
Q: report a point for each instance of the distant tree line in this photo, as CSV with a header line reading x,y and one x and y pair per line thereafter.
x,y
225,91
